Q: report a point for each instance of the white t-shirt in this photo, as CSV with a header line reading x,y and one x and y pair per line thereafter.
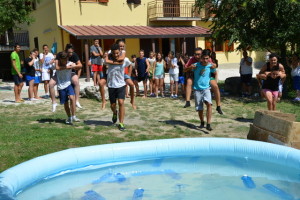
x,y
174,70
115,74
64,77
36,65
46,64
296,71
246,69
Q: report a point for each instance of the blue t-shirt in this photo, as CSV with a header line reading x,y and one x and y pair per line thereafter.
x,y
202,76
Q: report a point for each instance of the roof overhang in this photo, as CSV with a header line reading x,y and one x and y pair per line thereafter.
x,y
112,32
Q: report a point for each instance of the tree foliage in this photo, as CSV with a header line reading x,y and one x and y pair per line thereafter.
x,y
14,12
260,24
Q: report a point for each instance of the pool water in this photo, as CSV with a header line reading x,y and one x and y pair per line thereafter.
x,y
175,178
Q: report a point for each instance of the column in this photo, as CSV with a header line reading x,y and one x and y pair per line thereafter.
x,y
184,46
86,51
153,45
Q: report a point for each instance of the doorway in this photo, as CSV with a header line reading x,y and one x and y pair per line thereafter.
x,y
165,46
171,8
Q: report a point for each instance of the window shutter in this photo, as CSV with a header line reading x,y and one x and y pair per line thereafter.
x,y
208,44
103,1
228,47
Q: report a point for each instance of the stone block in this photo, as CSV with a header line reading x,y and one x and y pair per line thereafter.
x,y
274,123
233,86
259,134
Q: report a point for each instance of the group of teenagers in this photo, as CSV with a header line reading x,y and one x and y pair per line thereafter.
x,y
116,71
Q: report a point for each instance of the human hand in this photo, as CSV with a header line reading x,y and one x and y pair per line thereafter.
x,y
20,75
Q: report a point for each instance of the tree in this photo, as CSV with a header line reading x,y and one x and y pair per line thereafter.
x,y
14,12
260,24
271,25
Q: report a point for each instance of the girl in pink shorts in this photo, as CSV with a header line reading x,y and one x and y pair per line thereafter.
x,y
270,86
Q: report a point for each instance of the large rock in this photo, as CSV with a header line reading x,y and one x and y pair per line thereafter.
x,y
275,127
234,87
92,92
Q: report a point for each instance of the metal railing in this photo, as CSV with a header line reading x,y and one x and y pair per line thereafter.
x,y
182,9
20,37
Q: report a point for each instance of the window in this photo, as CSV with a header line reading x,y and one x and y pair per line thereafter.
x,y
36,42
134,1
229,47
218,45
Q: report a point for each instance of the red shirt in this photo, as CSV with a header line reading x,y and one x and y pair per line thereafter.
x,y
191,61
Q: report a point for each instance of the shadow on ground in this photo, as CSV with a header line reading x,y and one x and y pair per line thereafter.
x,y
98,123
180,123
242,119
51,120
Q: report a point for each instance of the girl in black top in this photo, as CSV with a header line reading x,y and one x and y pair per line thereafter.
x,y
270,86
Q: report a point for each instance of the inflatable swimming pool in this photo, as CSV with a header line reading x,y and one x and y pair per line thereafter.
x,y
214,168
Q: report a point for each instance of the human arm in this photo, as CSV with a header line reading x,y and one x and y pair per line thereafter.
x,y
148,65
281,68
154,67
189,68
15,67
130,70
113,62
94,49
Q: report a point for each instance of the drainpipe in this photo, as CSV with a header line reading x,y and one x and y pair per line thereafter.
x,y
86,49
6,38
61,23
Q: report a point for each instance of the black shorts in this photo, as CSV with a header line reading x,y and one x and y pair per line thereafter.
x,y
246,78
116,93
17,80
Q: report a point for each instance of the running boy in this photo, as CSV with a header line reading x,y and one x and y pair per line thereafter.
x,y
116,84
64,86
270,86
202,72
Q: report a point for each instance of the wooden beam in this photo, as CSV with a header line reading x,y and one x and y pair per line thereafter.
x,y
86,51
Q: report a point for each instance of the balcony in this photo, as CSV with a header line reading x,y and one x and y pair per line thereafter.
x,y
7,41
166,10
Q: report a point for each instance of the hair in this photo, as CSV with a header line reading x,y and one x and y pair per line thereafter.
x,y
16,44
151,52
45,45
63,58
69,46
114,47
208,51
160,58
272,55
297,55
133,56
205,53
118,41
142,50
275,68
198,49
96,39
31,52
171,52
35,49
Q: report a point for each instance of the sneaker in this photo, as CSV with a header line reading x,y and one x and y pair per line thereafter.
x,y
33,99
297,99
219,110
175,96
187,104
172,96
121,127
208,127
157,96
46,96
115,118
75,119
69,120
54,107
201,125
163,96
78,105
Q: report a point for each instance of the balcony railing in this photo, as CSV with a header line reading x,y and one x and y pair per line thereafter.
x,y
160,10
8,41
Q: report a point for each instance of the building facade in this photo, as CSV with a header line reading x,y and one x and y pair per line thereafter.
x,y
157,25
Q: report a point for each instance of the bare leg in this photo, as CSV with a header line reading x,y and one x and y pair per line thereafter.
x,y
95,78
72,105
16,91
52,84
171,87
75,82
137,88
102,92
156,87
161,85
269,98
189,83
46,87
201,117
67,109
126,91
216,91
145,88
176,88
30,89
131,87
151,85
20,90
121,110
113,108
208,112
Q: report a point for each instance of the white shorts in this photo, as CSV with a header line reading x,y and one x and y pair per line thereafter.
x,y
174,77
159,76
45,75
202,96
